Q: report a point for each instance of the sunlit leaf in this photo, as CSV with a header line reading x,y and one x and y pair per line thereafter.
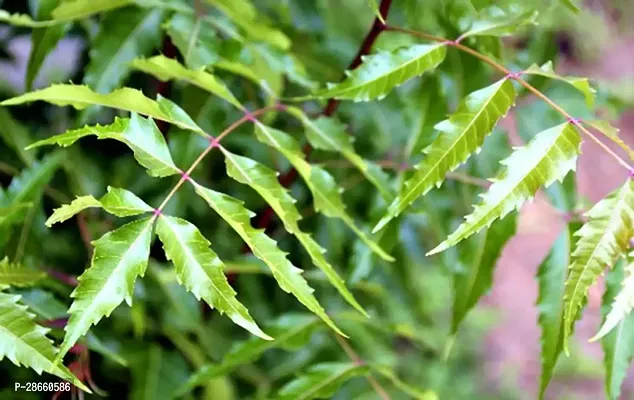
x,y
200,270
460,136
547,158
581,84
494,21
18,275
119,258
76,9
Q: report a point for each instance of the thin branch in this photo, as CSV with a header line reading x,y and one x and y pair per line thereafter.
x,y
358,361
516,77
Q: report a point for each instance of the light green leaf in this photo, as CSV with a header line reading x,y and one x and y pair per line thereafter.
x,y
375,7
321,381
551,278
119,202
494,21
119,258
621,306
291,331
285,273
618,345
264,181
43,41
381,72
140,134
602,240
470,285
328,133
611,133
245,15
126,99
25,343
19,276
571,5
326,195
24,20
547,158
166,68
123,36
200,270
16,136
460,136
69,10
581,84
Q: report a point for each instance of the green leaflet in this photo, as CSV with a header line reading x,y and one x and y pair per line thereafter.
x,y
326,194
618,345
622,305
245,15
43,41
200,270
156,372
166,68
328,133
291,331
199,50
25,343
602,240
19,276
286,274
119,202
472,284
123,36
375,7
264,181
321,381
548,157
611,133
581,84
140,134
69,10
381,72
570,4
119,258
8,214
551,278
126,99
24,20
16,136
460,136
494,21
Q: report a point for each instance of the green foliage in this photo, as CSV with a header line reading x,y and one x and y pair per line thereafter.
x,y
319,181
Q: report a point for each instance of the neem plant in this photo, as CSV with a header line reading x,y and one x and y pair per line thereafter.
x,y
267,59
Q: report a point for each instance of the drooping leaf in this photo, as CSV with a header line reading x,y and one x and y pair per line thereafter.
x,y
602,240
472,284
200,270
618,345
15,136
328,133
126,99
291,331
494,21
551,278
123,36
245,15
25,343
611,133
287,275
381,72
581,84
547,158
119,258
460,136
621,306
43,41
69,10
264,181
167,68
140,134
19,276
326,195
119,202
321,381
